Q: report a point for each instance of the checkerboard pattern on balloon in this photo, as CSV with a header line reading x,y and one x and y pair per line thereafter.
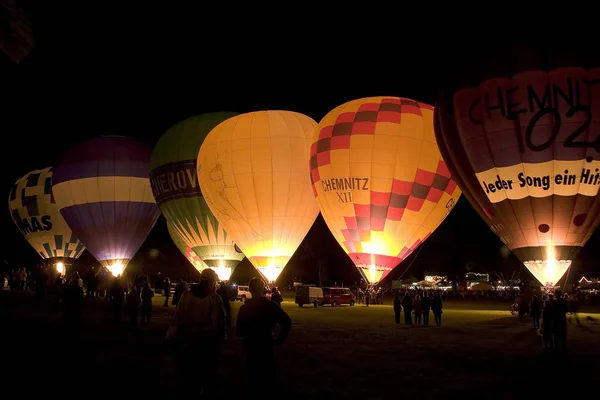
x,y
372,117
31,198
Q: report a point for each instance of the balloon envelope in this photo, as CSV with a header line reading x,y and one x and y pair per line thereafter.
x,y
34,211
102,189
522,138
177,191
253,170
192,257
380,180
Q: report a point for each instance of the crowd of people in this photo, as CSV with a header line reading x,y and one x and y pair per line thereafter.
x,y
199,325
550,315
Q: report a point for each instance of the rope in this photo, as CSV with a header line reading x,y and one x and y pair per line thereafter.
x,y
411,263
567,277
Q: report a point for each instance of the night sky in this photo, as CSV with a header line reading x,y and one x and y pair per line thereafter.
x,y
124,72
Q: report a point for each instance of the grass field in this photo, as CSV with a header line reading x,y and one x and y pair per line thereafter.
x,y
332,353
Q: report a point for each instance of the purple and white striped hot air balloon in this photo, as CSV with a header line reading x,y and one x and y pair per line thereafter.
x,y
103,192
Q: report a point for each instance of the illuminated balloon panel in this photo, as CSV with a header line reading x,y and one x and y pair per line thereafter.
x,y
380,180
34,211
524,145
253,171
192,257
102,189
177,191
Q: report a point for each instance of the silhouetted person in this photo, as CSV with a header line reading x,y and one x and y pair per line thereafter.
x,y
41,285
116,296
547,327
90,283
535,310
276,296
418,309
257,320
147,295
223,292
407,305
573,303
559,320
397,306
196,334
57,288
436,308
72,294
523,308
426,304
167,290
181,287
134,299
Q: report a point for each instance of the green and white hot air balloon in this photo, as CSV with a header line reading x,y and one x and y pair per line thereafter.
x,y
177,191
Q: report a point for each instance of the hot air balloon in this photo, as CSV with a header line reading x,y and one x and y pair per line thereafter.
x,y
521,137
253,171
192,257
102,189
380,180
35,213
177,192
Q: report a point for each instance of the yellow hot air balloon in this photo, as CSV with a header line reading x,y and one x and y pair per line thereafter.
x,y
380,180
253,172
34,211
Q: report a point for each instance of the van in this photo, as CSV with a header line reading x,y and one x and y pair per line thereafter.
x,y
243,293
309,295
335,296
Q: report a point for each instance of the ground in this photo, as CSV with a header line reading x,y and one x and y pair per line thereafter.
x,y
332,353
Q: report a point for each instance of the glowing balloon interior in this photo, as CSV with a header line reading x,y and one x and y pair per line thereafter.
x,y
253,170
192,257
380,180
102,189
524,150
34,211
177,191
60,268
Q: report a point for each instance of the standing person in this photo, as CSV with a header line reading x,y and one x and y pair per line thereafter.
x,y
276,296
559,321
418,309
181,287
535,310
436,308
224,294
147,295
397,306
256,322
116,296
426,304
407,304
573,302
197,332
547,326
134,300
72,294
167,290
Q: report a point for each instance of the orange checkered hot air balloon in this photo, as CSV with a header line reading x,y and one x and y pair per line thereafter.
x,y
380,180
